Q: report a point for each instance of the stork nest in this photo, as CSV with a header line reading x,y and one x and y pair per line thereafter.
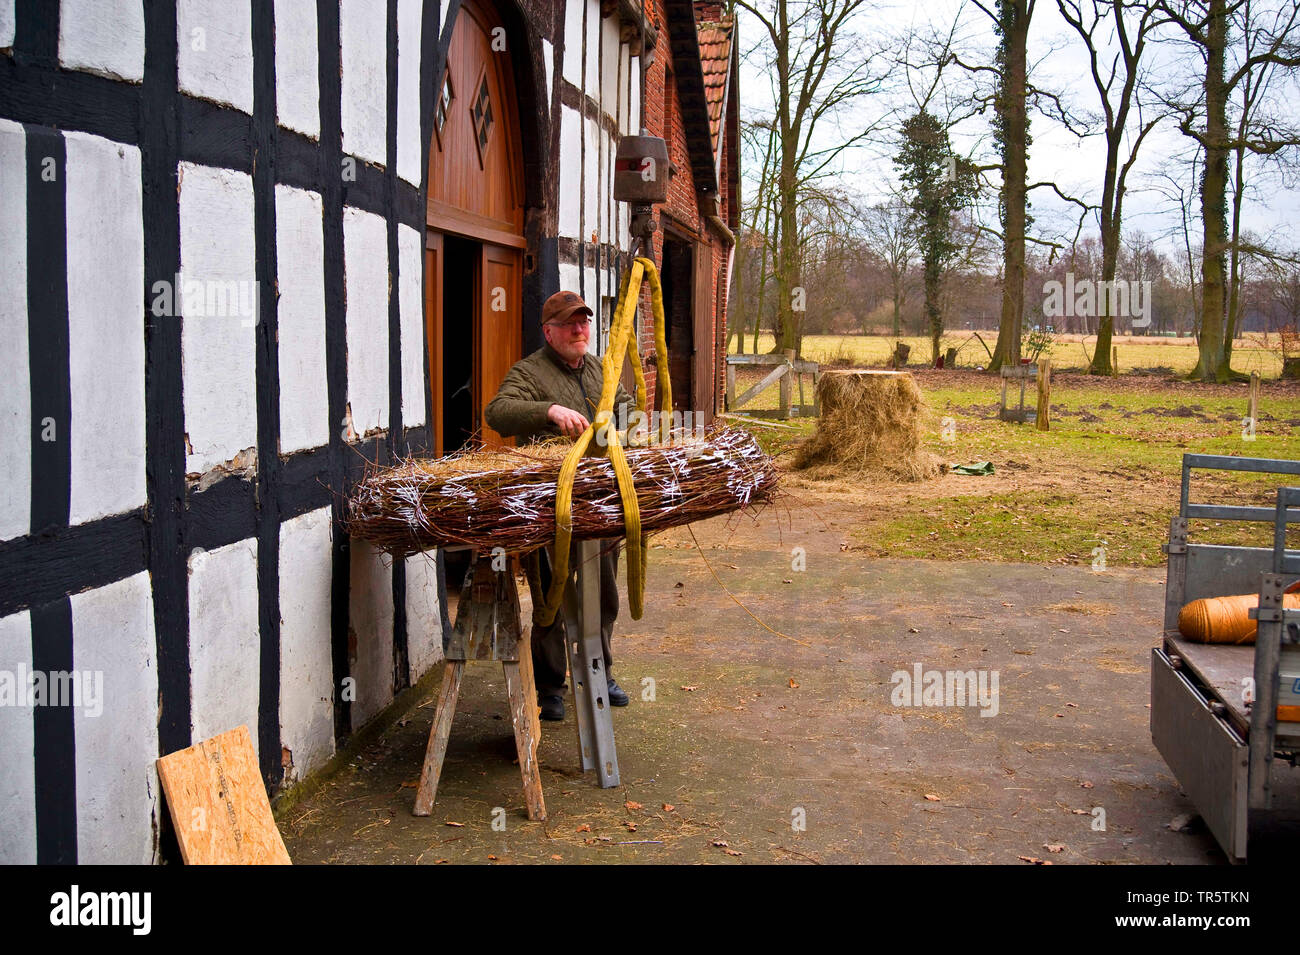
x,y
505,497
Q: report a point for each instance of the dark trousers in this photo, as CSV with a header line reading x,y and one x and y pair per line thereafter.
x,y
549,657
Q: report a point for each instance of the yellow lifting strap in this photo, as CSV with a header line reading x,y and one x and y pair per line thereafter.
x,y
622,345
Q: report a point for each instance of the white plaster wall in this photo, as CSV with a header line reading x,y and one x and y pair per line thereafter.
x,y
18,781
15,385
624,89
548,66
6,24
573,41
306,665
634,94
611,53
304,418
423,615
591,72
590,179
106,326
570,224
363,42
297,92
365,255
103,36
224,640
217,352
214,43
117,782
370,625
568,277
408,91
410,256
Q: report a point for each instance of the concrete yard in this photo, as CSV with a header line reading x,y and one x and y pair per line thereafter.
x,y
757,748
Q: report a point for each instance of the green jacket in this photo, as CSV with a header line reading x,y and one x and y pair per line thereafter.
x,y
540,380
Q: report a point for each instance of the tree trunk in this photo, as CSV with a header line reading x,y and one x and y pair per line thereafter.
x,y
1013,114
1214,186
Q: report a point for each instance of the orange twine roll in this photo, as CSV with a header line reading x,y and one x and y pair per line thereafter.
x,y
1224,619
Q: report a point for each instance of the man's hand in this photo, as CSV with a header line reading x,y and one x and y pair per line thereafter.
x,y
567,420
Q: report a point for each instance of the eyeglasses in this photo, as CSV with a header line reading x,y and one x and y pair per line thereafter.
x,y
580,322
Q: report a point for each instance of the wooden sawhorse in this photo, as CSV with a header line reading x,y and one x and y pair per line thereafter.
x,y
488,628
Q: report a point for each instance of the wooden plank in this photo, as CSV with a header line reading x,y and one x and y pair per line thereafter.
x,y
1043,420
523,714
785,385
218,803
763,385
1252,405
439,733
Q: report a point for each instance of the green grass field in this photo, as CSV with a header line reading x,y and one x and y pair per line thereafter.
x,y
1108,470
1135,354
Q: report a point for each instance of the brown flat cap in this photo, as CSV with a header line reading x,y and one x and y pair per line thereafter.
x,y
563,304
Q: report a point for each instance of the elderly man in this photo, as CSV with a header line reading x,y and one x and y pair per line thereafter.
x,y
554,391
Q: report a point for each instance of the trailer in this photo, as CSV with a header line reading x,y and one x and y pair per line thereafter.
x,y
1223,715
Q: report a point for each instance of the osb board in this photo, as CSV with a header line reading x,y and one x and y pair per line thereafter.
x,y
218,803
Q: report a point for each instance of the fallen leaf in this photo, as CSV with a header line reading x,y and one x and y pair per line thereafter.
x,y
1075,705
669,807
631,826
585,827
1081,812
558,858
677,585
689,689
1032,861
913,630
793,685
1085,784
492,858
1051,847
410,784
733,852
632,805
720,843
787,580
441,861
932,797
456,825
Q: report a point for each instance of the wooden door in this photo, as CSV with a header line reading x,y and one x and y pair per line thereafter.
x,y
498,335
476,193
703,387
433,331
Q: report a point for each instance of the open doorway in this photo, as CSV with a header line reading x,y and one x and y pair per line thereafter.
x,y
675,279
459,401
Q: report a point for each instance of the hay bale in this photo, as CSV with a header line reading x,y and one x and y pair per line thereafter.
x,y
870,426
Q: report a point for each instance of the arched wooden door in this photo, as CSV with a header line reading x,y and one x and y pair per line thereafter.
x,y
475,236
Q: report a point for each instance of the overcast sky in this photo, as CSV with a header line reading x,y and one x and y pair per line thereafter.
x,y
1059,63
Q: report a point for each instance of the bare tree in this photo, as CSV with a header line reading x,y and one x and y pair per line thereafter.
x,y
890,229
1129,26
1207,24
819,67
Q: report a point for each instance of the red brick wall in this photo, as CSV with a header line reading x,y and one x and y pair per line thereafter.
x,y
662,117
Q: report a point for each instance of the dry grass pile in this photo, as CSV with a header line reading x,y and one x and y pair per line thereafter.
x,y
506,497
870,426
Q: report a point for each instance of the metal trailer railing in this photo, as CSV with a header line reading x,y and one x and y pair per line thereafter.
x,y
1214,706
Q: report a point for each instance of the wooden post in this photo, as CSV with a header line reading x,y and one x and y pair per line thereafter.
x,y
785,386
1252,408
1043,422
731,385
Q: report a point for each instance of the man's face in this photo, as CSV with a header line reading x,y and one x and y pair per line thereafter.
x,y
569,335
